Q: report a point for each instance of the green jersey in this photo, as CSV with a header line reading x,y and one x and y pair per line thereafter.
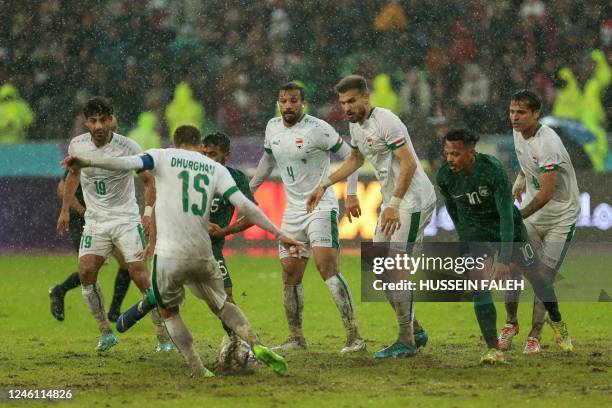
x,y
221,210
480,204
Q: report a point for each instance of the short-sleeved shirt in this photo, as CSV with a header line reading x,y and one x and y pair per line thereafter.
x,y
302,153
186,183
480,203
109,194
221,210
544,152
379,135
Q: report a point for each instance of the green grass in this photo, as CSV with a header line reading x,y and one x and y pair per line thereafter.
x,y
38,352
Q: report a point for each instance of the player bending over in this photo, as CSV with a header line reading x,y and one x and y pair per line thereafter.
x,y
478,198
186,183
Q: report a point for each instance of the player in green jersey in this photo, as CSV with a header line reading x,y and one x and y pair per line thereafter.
x,y
478,197
217,147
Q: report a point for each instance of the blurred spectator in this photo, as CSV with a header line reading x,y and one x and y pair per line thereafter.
x,y
415,95
383,95
184,110
15,116
473,96
136,52
144,133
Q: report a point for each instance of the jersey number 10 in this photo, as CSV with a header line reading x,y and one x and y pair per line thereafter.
x,y
200,181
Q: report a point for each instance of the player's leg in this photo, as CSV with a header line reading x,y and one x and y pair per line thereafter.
x,y
322,232
293,298
227,281
206,283
57,293
554,248
95,247
541,278
129,240
410,233
122,284
293,266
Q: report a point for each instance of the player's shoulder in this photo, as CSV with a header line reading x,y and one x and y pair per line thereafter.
x,y
488,161
81,139
546,136
443,175
236,174
383,114
124,141
274,123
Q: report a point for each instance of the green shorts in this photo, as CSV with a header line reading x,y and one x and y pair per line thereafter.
x,y
218,254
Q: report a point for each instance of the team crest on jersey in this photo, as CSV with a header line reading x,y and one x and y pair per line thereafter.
x,y
484,191
369,141
299,142
535,159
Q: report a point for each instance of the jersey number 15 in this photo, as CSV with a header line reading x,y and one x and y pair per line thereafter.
x,y
200,181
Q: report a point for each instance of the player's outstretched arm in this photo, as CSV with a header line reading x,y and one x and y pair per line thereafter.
x,y
257,217
264,169
137,162
70,186
518,187
348,167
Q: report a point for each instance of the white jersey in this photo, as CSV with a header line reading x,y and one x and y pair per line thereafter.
x,y
186,183
544,152
109,194
302,153
379,135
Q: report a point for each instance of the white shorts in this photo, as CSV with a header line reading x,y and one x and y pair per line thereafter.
x,y
316,229
99,238
411,230
551,241
201,276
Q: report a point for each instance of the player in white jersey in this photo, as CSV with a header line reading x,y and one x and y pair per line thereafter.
x,y
550,208
112,218
300,146
186,183
408,197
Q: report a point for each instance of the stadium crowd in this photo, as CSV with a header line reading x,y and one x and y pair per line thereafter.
x,y
431,59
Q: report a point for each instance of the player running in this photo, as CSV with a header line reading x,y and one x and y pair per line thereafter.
x,y
478,198
186,183
57,293
301,145
112,218
550,210
408,197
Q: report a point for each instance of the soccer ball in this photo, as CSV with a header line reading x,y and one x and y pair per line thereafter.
x,y
235,356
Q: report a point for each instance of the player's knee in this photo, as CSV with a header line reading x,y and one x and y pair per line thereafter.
x,y
168,313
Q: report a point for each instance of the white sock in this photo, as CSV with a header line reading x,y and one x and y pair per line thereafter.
x,y
160,329
234,318
293,300
180,335
344,302
94,299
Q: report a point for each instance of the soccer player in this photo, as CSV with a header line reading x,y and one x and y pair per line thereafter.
x,y
186,183
57,293
301,145
216,146
112,218
478,198
550,209
408,197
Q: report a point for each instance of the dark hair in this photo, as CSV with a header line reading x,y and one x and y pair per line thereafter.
x,y
466,136
187,134
292,86
97,105
352,82
218,139
529,98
